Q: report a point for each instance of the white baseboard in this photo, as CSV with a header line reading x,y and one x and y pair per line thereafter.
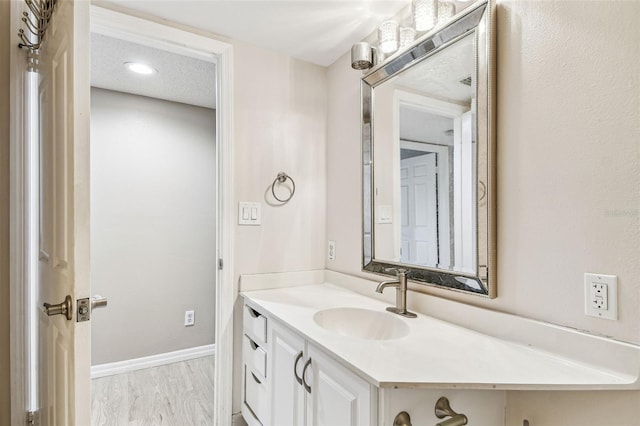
x,y
112,368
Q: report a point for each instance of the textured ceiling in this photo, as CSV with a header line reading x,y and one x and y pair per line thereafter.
x,y
317,31
440,75
179,78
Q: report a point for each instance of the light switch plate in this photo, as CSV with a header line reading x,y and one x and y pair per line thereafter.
x,y
249,213
601,296
384,214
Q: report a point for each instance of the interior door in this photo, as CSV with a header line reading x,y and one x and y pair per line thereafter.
x,y
419,210
63,266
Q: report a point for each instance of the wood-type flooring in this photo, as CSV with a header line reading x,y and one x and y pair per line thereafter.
x,y
178,394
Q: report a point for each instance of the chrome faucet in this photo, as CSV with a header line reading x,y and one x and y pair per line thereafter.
x,y
401,293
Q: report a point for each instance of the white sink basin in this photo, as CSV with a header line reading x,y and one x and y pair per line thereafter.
x,y
362,323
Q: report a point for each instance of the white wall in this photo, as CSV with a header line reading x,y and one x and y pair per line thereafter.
x,y
568,177
152,223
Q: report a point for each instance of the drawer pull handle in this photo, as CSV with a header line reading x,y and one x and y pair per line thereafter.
x,y
295,368
304,381
256,379
253,344
253,312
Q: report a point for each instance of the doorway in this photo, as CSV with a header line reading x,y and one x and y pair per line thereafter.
x,y
153,233
171,39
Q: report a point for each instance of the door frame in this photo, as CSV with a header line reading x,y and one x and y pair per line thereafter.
x,y
421,103
19,223
165,36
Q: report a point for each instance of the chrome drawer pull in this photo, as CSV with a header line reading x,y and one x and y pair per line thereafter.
x,y
304,371
295,368
253,312
256,379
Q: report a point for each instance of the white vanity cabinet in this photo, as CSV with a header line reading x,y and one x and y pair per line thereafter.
x,y
337,397
255,373
303,385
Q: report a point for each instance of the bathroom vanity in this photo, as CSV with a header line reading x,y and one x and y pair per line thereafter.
x,y
325,355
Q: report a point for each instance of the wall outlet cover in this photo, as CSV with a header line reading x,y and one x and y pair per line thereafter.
x,y
189,318
601,296
331,250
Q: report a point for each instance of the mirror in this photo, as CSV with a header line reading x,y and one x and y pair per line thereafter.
x,y
428,158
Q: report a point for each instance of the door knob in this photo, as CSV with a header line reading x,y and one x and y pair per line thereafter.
x,y
65,308
86,306
98,301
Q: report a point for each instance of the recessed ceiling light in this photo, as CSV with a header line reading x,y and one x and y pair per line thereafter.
x,y
140,68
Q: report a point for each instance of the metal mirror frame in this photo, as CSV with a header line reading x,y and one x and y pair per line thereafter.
x,y
478,18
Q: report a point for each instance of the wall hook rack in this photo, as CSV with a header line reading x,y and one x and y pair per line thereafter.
x,y
36,23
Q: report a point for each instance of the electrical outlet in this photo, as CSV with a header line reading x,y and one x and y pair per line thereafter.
x,y
189,318
601,296
331,251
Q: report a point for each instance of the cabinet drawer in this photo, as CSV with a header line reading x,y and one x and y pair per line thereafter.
x,y
255,395
255,324
255,357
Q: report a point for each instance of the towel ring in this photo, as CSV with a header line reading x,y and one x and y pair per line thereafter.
x,y
282,178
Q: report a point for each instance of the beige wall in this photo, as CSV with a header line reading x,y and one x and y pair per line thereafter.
x,y
279,125
280,107
4,215
568,176
153,236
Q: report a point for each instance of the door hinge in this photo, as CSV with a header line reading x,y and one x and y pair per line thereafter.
x,y
220,264
33,418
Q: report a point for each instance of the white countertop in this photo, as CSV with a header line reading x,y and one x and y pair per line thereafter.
x,y
435,354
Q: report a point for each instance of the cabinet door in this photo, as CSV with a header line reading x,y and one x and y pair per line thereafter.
x,y
287,393
337,396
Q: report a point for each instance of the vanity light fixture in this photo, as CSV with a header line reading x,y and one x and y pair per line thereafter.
x,y
388,36
446,10
362,56
140,68
407,36
425,14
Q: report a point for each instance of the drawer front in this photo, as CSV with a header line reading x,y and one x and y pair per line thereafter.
x,y
255,357
255,324
255,395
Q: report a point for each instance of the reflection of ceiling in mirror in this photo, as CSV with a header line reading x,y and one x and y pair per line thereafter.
x,y
440,75
410,153
421,126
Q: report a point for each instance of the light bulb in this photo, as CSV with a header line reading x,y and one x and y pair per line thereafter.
x,y
425,14
388,36
140,68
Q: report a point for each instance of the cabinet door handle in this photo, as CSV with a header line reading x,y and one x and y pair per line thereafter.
x,y
295,368
304,371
